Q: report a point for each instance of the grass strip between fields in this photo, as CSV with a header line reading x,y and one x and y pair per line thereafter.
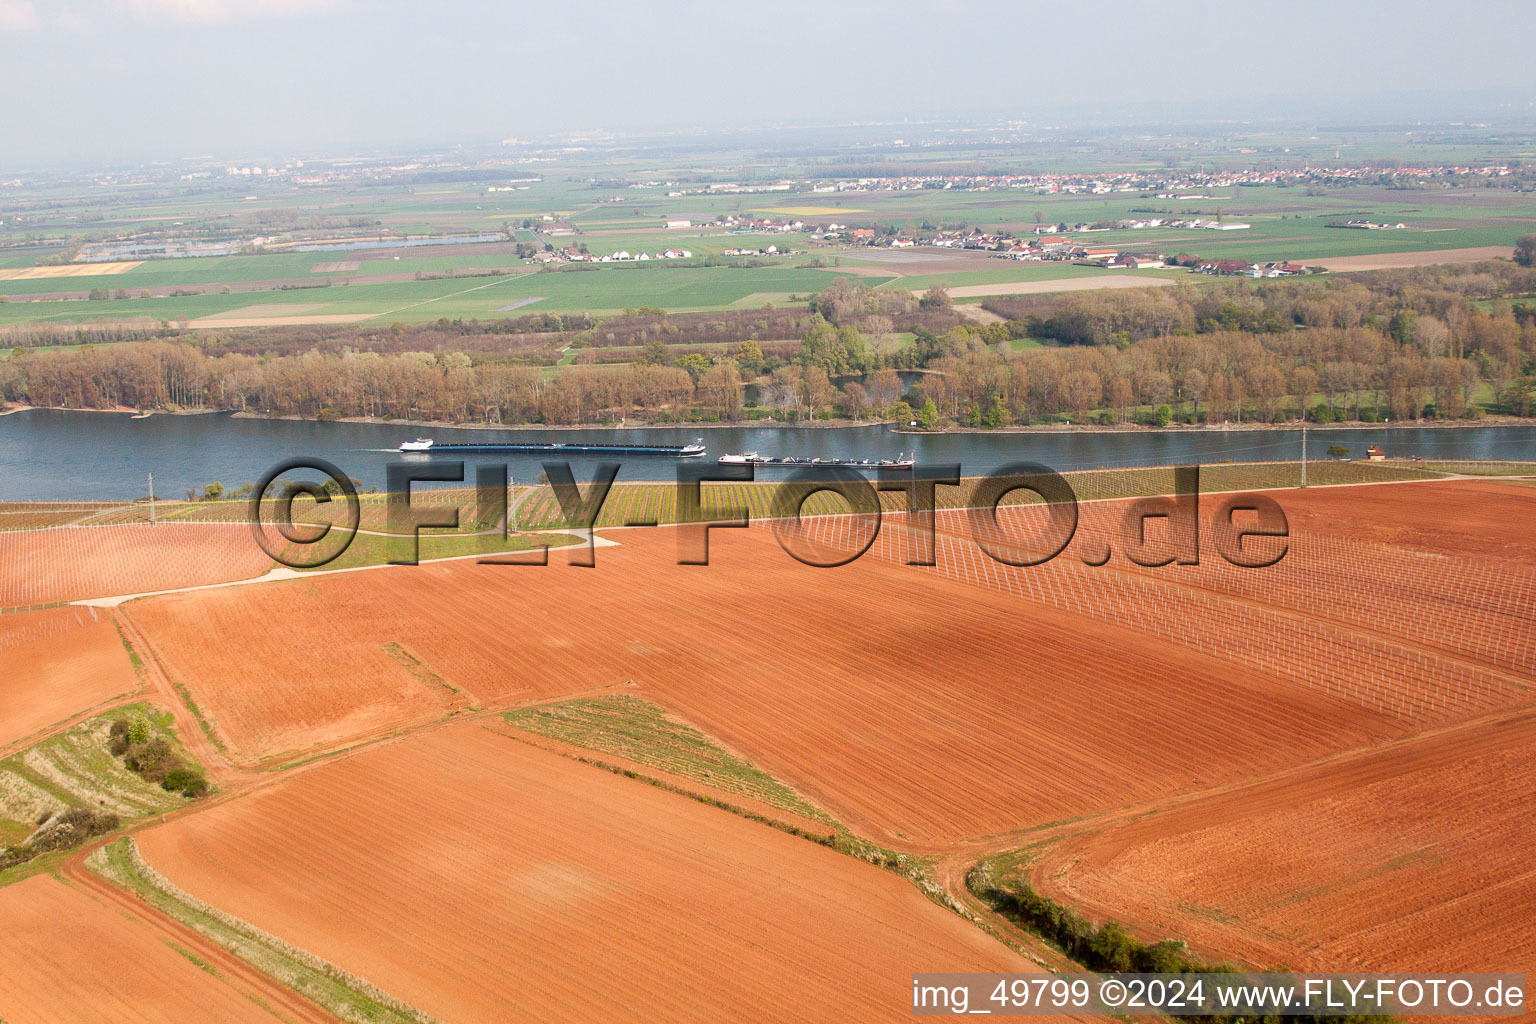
x,y
1000,882
347,996
75,770
641,732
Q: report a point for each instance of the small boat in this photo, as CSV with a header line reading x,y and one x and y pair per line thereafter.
x,y
421,444
903,461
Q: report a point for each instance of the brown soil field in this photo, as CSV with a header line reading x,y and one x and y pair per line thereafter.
x,y
68,270
224,320
67,957
55,664
478,878
922,261
914,706
1393,260
299,685
76,563
1065,284
418,252
1412,856
1489,518
265,310
1447,623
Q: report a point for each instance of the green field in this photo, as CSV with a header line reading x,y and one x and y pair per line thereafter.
x,y
601,289
620,201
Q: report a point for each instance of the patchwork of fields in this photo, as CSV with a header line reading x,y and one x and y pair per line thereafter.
x,y
478,878
474,792
424,283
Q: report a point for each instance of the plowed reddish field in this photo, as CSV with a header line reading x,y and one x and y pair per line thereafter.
x,y
75,563
906,702
66,957
1415,856
57,663
481,879
1488,518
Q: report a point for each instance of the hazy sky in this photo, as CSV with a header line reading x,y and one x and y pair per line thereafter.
x,y
122,79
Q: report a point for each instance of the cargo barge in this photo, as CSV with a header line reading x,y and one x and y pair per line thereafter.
x,y
426,446
903,461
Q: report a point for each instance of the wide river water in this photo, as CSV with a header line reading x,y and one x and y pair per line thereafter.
x,y
53,456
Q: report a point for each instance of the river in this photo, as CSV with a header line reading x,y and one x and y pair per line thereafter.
x,y
64,456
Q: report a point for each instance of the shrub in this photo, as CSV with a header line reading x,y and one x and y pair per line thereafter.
x,y
153,759
188,780
60,832
1110,947
117,737
146,758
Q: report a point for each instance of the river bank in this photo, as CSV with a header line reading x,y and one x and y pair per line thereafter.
x,y
820,424
845,424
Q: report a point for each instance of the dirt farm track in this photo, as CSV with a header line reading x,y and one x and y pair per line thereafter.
x,y
1324,763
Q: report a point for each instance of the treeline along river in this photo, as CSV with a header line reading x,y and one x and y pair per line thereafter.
x,y
60,456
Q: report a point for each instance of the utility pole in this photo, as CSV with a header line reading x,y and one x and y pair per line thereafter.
x,y
151,497
1303,453
511,524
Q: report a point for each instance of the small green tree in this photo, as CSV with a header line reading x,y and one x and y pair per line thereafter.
x,y
902,413
138,730
213,492
1163,416
928,417
188,780
1113,947
749,356
1525,251
1337,451
998,415
696,363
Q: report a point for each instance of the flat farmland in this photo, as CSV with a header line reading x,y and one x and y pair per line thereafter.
x,y
841,682
67,957
76,563
475,877
305,685
66,270
1390,260
606,289
1143,279
1490,518
1413,856
55,664
1462,611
